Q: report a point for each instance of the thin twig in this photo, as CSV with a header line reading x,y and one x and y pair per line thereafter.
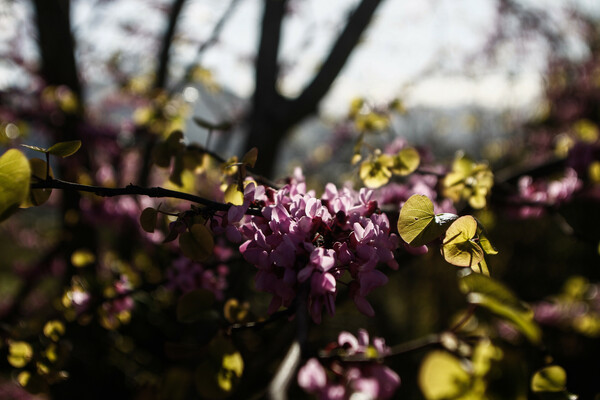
x,y
134,190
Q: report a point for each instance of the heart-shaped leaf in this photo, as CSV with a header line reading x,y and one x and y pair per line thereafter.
x,y
198,243
552,378
37,197
418,225
65,149
148,219
15,176
495,297
442,376
406,161
458,247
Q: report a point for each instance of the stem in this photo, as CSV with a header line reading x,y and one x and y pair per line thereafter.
x,y
465,318
136,190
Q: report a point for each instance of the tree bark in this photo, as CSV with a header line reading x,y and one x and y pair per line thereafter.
x,y
272,115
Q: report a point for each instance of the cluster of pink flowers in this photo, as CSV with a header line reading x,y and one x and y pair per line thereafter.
x,y
364,379
300,238
541,193
186,275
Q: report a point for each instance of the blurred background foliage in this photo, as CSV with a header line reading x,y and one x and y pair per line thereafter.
x,y
116,289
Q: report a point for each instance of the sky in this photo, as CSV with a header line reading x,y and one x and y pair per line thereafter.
x,y
420,51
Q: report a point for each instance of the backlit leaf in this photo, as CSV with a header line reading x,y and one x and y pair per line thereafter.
x,y
19,354
38,197
549,379
458,246
65,149
406,161
418,225
198,243
148,219
376,173
250,157
35,148
54,330
233,195
492,295
15,176
442,376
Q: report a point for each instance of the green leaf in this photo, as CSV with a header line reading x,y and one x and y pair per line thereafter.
x,y
442,376
218,375
250,157
220,126
35,148
19,353
198,243
458,246
552,378
37,197
233,195
65,149
492,295
195,306
148,219
15,175
418,225
485,243
406,161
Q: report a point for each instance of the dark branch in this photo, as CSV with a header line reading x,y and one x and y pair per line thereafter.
x,y
358,21
134,190
165,49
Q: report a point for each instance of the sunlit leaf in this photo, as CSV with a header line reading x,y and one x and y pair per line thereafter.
x,y
376,173
15,176
198,243
233,195
458,246
35,148
418,225
485,243
54,330
492,295
148,219
65,149
234,311
442,376
219,374
37,197
82,257
19,354
552,378
406,161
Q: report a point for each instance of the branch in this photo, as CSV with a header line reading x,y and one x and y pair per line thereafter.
x,y
134,190
163,63
267,69
358,21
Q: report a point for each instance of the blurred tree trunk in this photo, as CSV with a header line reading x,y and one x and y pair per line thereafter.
x,y
273,115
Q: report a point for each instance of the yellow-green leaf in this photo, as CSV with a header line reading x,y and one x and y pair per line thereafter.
x,y
198,243
37,197
233,195
15,176
492,295
552,378
148,219
82,257
35,148
65,149
406,161
442,376
54,329
376,173
19,353
418,225
458,246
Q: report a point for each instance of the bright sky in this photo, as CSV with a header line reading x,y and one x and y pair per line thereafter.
x,y
405,39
